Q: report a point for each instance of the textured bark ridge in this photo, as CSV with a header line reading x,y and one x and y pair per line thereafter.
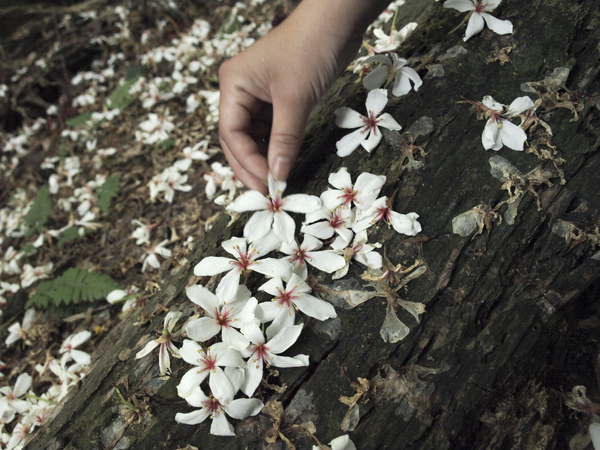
x,y
512,313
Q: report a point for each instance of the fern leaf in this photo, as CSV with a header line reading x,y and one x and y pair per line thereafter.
x,y
109,190
72,287
39,211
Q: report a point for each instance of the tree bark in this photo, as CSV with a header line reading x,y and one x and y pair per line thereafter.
x,y
512,315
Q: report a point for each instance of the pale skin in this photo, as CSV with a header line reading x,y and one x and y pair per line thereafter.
x,y
269,90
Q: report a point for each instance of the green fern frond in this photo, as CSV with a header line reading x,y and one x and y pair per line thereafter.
x,y
109,190
39,211
72,287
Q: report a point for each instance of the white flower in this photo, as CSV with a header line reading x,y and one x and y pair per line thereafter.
x,y
261,352
167,182
151,258
13,395
337,221
403,76
282,308
499,130
142,233
271,210
368,134
362,194
380,212
128,297
244,259
308,253
32,274
223,316
219,403
19,331
385,43
207,362
361,252
69,352
339,443
479,14
165,341
154,129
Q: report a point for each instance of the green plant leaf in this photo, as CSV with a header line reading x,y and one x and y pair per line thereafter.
x,y
39,211
72,287
109,190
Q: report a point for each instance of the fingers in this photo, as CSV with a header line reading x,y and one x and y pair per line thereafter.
x,y
289,122
249,180
237,109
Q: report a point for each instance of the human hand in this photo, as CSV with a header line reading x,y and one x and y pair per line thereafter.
x,y
269,90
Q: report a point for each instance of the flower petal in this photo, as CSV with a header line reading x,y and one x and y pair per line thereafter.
x,y
460,5
258,225
512,136
212,265
244,407
387,121
376,101
376,78
490,138
284,339
519,105
496,25
346,145
203,298
348,118
301,203
249,201
474,26
202,329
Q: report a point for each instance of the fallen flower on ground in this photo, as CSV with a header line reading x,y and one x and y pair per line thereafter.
x,y
396,67
368,134
165,341
362,193
499,130
381,211
262,352
480,10
271,210
219,403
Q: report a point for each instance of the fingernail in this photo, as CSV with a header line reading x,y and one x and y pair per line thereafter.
x,y
282,167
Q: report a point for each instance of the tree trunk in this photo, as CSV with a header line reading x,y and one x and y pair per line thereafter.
x,y
512,315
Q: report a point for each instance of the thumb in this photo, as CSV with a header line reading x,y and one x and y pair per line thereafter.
x,y
287,133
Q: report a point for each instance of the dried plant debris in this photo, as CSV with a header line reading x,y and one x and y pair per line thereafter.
x,y
554,94
478,218
577,235
407,387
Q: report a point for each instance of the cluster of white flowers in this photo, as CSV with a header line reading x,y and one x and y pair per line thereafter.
x,y
235,364
20,404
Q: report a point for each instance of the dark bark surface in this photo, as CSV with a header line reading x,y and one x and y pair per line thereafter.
x,y
512,314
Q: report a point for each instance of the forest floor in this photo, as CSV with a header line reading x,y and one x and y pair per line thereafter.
x,y
109,166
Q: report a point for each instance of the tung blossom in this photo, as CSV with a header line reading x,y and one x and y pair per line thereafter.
x,y
260,353
381,211
223,315
480,10
362,193
218,404
271,210
69,352
396,67
367,134
282,308
299,255
207,363
499,130
244,259
165,341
